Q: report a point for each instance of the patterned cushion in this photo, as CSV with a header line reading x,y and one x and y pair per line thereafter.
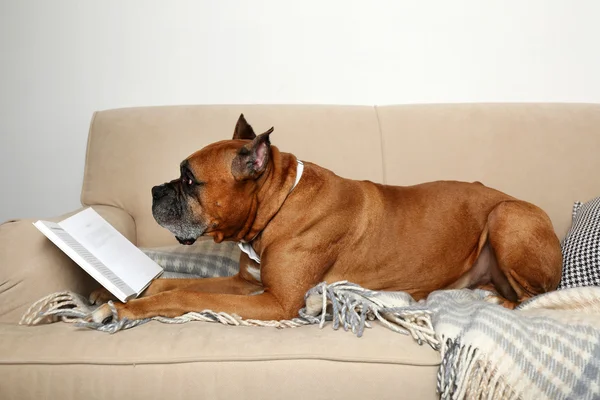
x,y
581,247
203,259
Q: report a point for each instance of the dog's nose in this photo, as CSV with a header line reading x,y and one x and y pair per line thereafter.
x,y
159,191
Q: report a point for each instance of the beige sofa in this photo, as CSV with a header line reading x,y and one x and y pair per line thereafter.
x,y
545,153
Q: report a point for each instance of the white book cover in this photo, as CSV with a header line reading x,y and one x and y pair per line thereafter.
x,y
103,252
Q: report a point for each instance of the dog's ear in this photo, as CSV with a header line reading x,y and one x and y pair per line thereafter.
x,y
252,159
243,130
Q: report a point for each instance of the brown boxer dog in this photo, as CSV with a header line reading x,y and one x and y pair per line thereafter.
x,y
438,235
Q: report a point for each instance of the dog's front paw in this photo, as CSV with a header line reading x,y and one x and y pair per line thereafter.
x,y
100,296
101,315
105,314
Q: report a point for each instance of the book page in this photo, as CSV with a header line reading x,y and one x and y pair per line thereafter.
x,y
113,249
86,260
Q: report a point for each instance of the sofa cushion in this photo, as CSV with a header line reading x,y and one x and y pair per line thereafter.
x,y
209,358
581,247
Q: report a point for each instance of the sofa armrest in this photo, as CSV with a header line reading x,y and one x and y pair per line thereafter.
x,y
32,267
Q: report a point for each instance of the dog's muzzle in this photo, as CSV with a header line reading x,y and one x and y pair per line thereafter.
x,y
160,191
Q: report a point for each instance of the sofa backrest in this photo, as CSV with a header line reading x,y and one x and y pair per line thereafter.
x,y
543,153
547,154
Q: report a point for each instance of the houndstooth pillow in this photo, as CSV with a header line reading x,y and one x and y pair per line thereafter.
x,y
581,247
204,259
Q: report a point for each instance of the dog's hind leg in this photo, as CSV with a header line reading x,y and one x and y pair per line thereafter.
x,y
527,253
518,255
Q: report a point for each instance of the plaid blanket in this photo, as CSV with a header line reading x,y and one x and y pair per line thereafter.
x,y
204,259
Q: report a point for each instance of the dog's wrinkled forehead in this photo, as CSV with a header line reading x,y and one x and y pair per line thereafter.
x,y
213,160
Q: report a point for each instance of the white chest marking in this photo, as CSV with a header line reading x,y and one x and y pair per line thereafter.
x,y
247,248
254,271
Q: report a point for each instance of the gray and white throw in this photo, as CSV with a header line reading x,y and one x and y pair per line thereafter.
x,y
549,348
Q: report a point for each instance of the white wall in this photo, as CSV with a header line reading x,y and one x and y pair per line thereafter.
x,y
61,60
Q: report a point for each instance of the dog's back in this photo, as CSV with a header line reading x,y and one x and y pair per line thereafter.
x,y
415,238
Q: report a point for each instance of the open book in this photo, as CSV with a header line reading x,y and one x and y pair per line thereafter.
x,y
103,252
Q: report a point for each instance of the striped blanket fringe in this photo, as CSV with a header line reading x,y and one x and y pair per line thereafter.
x,y
345,304
464,374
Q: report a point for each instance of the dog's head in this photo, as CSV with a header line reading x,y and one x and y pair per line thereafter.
x,y
214,193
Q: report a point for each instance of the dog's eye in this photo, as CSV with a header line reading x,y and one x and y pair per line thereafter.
x,y
187,178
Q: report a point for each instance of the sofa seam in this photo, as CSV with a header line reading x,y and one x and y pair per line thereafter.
x,y
231,360
87,155
381,143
